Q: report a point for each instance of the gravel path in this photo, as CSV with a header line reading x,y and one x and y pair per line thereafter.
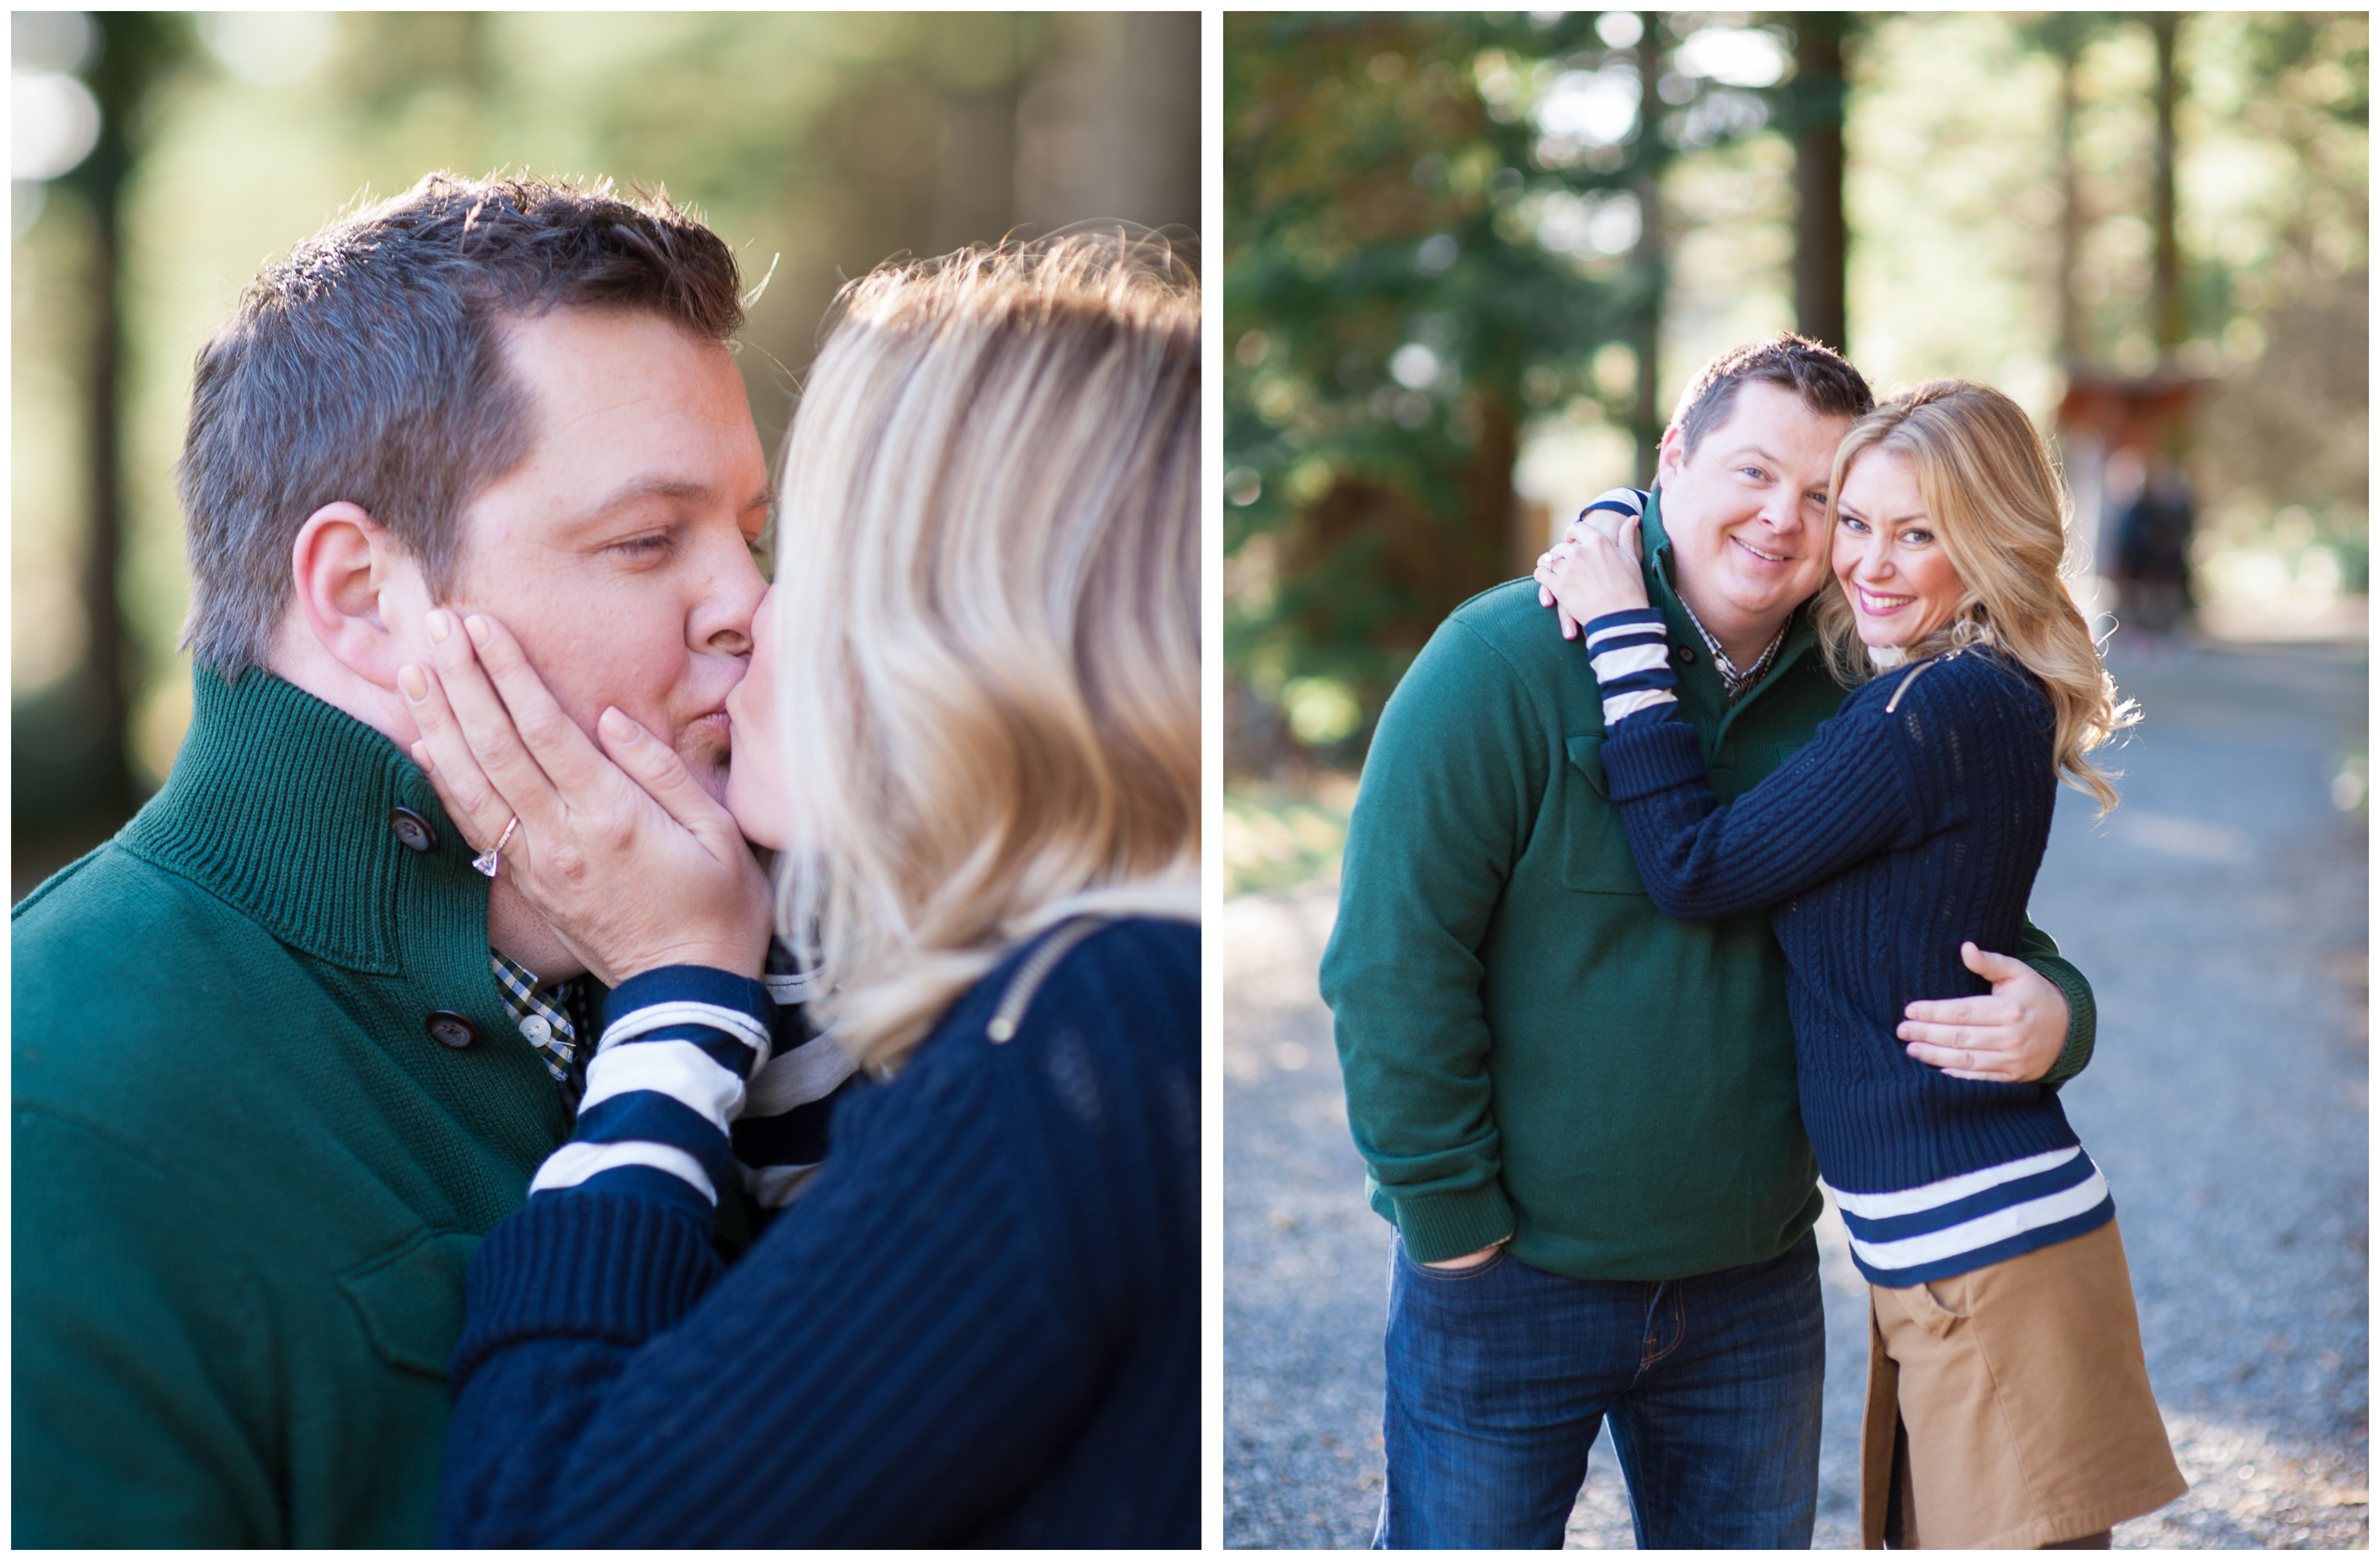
x,y
2220,913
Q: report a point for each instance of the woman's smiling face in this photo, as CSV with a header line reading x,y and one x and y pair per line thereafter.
x,y
1887,556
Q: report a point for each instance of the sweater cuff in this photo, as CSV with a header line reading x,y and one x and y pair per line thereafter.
x,y
666,1082
598,1265
1438,1227
675,995
1629,652
2082,1024
1651,756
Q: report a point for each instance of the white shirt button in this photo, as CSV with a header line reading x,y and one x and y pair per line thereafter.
x,y
536,1028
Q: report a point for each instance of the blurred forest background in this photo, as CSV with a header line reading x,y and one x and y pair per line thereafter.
x,y
1470,261
160,159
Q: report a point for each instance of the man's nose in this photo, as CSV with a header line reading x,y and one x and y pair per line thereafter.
x,y
731,593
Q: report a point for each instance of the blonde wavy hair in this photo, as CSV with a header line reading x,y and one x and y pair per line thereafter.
x,y
1996,501
987,619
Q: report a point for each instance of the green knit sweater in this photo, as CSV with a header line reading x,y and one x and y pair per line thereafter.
x,y
247,1179
1530,1049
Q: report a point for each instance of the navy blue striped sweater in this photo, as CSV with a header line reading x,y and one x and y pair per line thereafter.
x,y
1913,820
977,1325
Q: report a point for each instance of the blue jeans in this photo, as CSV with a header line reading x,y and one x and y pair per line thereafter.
x,y
1500,1376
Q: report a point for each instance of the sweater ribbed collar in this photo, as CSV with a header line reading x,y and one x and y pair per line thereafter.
x,y
282,805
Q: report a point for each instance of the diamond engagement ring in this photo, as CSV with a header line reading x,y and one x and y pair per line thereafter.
x,y
487,861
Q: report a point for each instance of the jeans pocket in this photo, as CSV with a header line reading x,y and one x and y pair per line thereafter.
x,y
1495,1260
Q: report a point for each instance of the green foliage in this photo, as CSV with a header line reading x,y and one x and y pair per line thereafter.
x,y
1430,227
1394,185
2275,220
1382,305
1273,843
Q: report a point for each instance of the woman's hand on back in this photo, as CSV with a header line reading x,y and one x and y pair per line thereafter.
x,y
1589,575
633,863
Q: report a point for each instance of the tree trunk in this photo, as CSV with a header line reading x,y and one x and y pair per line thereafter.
x,y
2073,343
110,669
1821,243
118,80
2171,322
1647,418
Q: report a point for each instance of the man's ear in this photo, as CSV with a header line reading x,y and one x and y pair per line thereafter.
x,y
348,574
1672,457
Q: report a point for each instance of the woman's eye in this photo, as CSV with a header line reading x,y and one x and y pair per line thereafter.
x,y
1917,536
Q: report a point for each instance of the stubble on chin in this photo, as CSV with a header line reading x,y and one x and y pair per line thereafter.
x,y
705,754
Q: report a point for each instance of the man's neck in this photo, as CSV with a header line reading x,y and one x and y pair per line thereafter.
x,y
521,935
517,931
1742,638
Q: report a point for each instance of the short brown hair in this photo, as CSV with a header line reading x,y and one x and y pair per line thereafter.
x,y
1822,377
369,367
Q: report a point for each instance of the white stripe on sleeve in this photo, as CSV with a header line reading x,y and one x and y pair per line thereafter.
x,y
680,1069
1620,707
810,1071
773,1186
1627,631
1625,659
574,1163
662,1016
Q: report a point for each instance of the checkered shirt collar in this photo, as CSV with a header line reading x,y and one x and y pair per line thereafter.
x,y
552,1017
1737,683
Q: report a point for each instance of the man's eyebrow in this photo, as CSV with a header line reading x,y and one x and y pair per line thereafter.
x,y
637,489
1755,452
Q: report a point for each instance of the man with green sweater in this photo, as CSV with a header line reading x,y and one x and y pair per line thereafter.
x,y
1580,1115
283,1052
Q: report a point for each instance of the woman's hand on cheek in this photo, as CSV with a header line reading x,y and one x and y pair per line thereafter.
x,y
727,907
626,857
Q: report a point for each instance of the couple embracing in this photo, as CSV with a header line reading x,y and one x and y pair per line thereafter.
x,y
419,1131
1709,882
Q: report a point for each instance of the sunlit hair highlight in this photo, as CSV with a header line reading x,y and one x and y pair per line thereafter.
x,y
1994,500
988,625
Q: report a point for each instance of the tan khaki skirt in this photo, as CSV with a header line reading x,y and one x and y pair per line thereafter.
x,y
2026,1399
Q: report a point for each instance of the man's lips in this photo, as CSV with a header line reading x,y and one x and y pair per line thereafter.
x,y
710,732
1764,557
